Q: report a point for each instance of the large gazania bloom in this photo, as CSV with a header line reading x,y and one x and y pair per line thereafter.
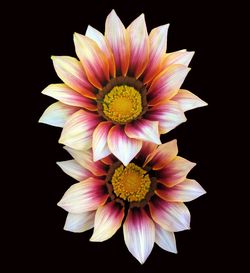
x,y
124,90
147,195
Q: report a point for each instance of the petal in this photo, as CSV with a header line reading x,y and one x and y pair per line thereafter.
x,y
99,143
170,216
78,130
85,159
68,96
108,220
187,100
178,57
80,222
103,44
70,71
93,60
175,172
119,42
185,191
167,84
169,115
139,46
123,147
146,150
75,170
144,129
84,196
158,47
57,114
109,160
165,239
139,234
161,156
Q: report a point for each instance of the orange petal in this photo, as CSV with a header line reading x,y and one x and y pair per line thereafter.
x,y
157,49
70,71
161,156
167,84
93,60
119,42
103,44
139,46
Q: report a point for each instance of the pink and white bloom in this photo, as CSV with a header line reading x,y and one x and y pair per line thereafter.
x,y
149,194
123,90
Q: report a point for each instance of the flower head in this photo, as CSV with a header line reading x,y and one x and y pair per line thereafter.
x,y
124,90
147,194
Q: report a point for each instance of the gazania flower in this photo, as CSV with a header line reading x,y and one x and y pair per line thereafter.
x,y
124,90
147,194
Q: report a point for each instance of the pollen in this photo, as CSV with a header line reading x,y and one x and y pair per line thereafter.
x,y
122,104
131,183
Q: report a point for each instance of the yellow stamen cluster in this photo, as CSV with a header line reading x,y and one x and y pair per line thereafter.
x,y
122,104
131,183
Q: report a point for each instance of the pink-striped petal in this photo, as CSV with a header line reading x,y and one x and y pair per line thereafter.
x,y
144,129
109,160
167,84
170,216
79,222
169,115
75,170
185,191
119,42
70,71
187,100
123,147
99,143
85,159
146,150
139,46
165,239
68,96
103,44
57,114
108,220
161,156
78,130
175,172
178,57
158,47
139,234
84,196
93,60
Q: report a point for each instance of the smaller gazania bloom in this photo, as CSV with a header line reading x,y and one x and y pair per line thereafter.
x,y
124,90
147,195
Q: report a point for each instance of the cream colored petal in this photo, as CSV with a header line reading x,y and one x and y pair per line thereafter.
x,y
80,222
57,114
108,220
75,170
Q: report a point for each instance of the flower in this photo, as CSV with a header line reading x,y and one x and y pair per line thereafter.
x,y
147,194
124,90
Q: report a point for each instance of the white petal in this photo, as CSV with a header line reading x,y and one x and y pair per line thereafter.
x,y
108,220
73,169
123,147
84,196
80,222
165,239
139,234
57,114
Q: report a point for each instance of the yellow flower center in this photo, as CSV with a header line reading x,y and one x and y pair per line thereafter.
x,y
131,183
122,104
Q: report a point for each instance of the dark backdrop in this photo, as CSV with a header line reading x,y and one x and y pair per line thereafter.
x,y
37,240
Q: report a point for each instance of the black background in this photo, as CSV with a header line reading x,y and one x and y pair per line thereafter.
x,y
38,241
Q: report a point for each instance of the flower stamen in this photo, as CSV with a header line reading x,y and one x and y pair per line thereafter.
x,y
122,104
131,183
